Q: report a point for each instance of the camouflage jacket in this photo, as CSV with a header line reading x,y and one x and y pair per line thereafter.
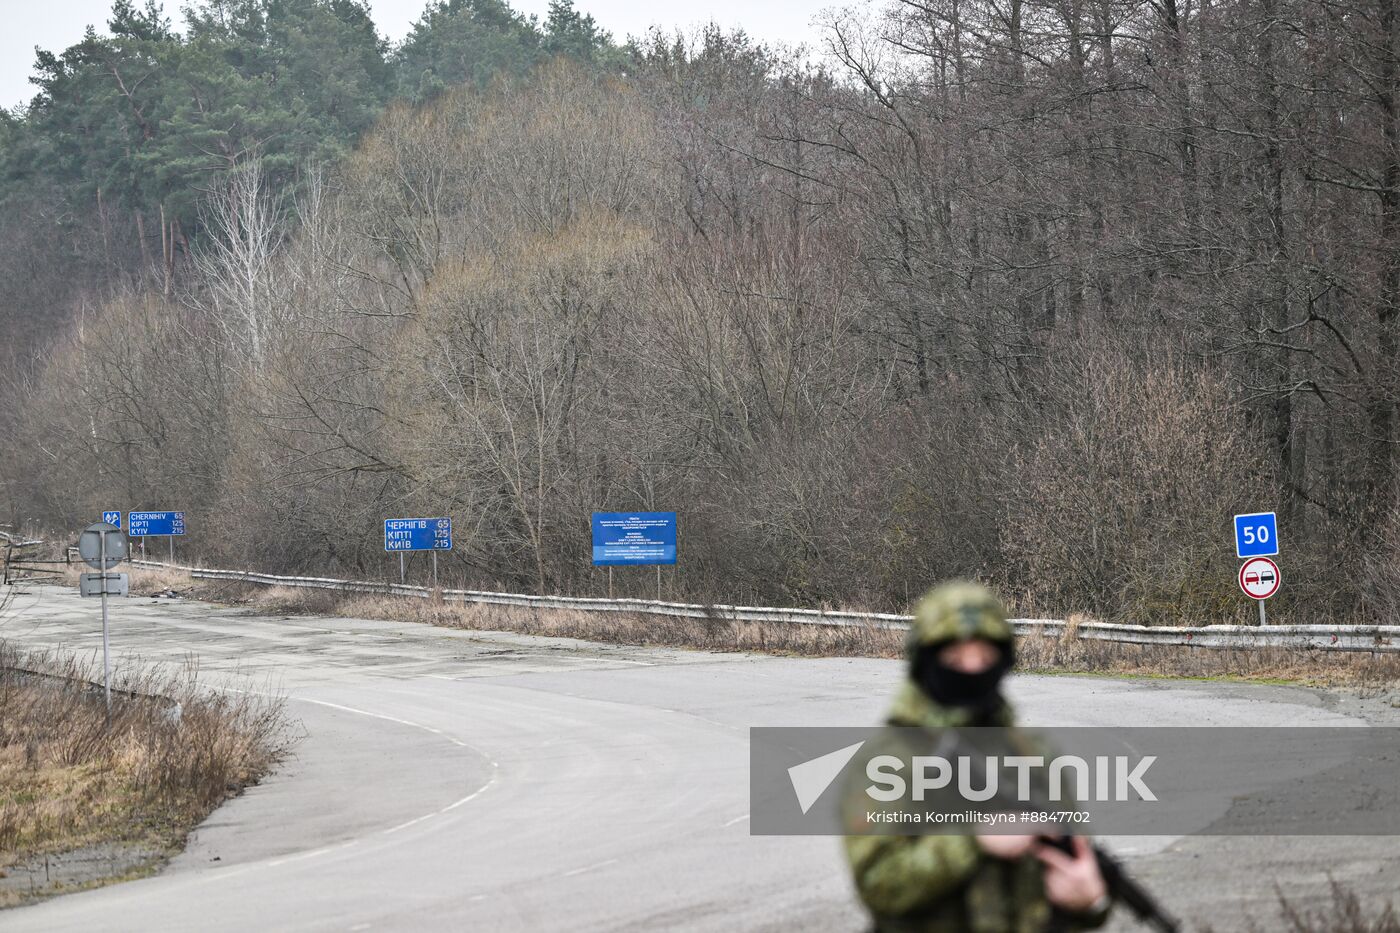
x,y
946,883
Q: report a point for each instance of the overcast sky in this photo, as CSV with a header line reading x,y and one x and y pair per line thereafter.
x,y
57,24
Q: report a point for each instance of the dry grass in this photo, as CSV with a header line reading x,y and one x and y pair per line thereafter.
x,y
624,628
171,753
143,581
146,582
1345,914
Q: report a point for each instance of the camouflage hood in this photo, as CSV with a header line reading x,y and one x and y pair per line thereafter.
x,y
955,611
951,612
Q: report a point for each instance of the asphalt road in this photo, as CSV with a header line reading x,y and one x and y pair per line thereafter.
x,y
451,780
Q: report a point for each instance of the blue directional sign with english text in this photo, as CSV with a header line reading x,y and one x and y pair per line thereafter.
x,y
417,534
1256,535
113,517
155,523
634,538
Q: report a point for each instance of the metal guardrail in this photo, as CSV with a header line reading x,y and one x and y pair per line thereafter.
x,y
1228,637
1225,637
582,603
19,564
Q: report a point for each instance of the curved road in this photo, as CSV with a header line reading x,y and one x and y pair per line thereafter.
x,y
451,779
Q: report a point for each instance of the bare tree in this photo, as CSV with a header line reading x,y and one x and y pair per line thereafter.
x,y
235,261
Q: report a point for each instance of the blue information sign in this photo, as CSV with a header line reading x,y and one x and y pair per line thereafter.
x,y
113,517
417,534
1256,535
634,538
155,523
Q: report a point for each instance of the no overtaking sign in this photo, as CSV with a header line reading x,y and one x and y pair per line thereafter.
x,y
1260,578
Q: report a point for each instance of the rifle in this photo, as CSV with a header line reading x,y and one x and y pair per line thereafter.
x,y
1121,887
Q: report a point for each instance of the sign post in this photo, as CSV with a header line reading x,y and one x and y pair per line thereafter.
x,y
1256,540
102,546
1260,578
106,645
635,539
417,534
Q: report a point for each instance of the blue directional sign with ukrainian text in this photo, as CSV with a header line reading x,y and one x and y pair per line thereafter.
x,y
1256,535
113,517
417,534
155,523
634,538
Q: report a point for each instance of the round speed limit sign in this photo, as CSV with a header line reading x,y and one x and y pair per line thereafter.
x,y
1260,578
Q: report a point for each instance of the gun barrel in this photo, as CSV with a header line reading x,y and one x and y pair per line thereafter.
x,y
1123,887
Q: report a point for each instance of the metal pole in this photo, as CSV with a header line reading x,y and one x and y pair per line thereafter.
x,y
106,653
401,570
609,581
658,583
1262,617
172,549
434,569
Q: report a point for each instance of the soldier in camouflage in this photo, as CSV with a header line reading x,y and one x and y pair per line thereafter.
x,y
960,646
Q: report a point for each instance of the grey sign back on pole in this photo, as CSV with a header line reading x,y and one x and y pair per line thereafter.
x,y
95,584
103,546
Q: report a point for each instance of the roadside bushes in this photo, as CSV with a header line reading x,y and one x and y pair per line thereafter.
x,y
172,751
1380,573
1121,505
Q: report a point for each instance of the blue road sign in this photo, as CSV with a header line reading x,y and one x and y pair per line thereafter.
x,y
155,523
1256,535
113,518
634,538
417,534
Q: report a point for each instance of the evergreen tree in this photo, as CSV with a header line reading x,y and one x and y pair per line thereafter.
x,y
465,41
576,35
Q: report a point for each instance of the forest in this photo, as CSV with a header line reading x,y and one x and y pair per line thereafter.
x,y
1039,292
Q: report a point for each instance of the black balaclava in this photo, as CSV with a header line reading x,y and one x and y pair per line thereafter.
x,y
947,687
